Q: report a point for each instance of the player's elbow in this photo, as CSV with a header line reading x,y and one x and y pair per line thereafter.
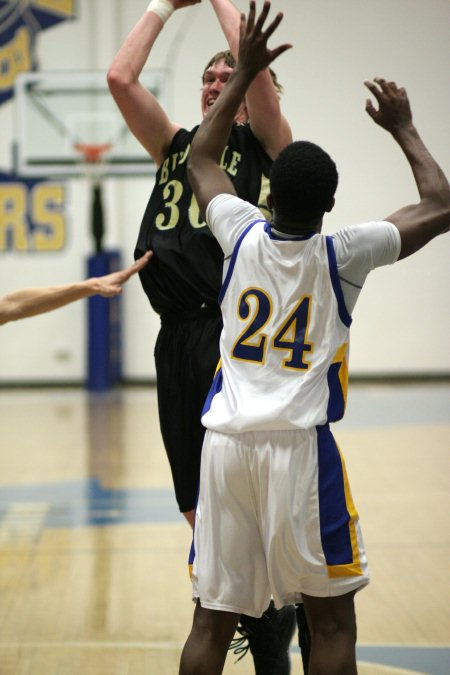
x,y
115,82
441,207
118,79
446,198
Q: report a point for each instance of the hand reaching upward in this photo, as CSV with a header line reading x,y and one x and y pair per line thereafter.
x,y
394,111
254,55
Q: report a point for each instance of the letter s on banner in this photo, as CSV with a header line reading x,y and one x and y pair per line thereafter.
x,y
32,215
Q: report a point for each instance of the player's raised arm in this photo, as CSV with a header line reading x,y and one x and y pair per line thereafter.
x,y
417,223
142,112
205,174
267,122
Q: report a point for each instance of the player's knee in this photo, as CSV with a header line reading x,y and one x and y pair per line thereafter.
x,y
335,628
214,626
332,618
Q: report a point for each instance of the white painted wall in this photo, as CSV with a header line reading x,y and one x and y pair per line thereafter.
x,y
402,321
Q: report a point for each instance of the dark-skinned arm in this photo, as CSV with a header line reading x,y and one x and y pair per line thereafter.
x,y
417,223
267,122
206,176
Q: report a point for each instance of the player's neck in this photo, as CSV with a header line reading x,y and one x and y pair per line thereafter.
x,y
297,228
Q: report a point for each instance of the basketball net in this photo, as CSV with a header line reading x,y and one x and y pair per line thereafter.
x,y
93,168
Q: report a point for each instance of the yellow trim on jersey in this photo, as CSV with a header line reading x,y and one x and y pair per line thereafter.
x,y
352,569
341,357
218,367
339,571
62,7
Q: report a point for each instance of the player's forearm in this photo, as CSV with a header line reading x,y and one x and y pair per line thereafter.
x,y
229,19
135,51
430,179
33,301
419,223
263,106
267,122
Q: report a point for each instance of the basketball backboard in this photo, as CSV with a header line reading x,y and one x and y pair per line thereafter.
x,y
61,114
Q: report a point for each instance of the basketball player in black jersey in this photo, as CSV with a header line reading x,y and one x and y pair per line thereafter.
x,y
185,275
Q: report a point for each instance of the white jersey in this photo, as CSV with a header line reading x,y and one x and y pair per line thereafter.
x,y
284,344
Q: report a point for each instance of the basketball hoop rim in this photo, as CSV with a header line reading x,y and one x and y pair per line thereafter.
x,y
92,153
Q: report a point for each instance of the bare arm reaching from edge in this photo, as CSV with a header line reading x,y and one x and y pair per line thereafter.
x,y
417,223
268,124
32,301
144,116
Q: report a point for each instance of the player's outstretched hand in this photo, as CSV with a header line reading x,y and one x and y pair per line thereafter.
x,y
254,55
394,111
111,284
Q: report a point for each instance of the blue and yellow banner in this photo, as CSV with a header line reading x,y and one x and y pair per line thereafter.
x,y
20,22
32,214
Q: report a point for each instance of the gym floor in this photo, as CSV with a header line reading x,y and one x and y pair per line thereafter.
x,y
93,551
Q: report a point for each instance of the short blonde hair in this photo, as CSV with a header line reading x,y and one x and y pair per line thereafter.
x,y
229,59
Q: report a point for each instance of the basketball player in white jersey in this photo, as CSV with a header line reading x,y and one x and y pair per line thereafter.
x,y
275,509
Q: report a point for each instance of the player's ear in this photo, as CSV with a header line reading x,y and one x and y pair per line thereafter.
x,y
331,205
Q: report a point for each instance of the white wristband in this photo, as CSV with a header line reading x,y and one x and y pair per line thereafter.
x,y
163,8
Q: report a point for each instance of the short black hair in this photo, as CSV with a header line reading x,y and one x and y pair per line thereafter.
x,y
303,181
229,59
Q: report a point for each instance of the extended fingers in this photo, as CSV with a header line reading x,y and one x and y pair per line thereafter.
x,y
141,262
242,27
270,28
376,91
393,105
370,109
381,87
279,50
263,16
251,16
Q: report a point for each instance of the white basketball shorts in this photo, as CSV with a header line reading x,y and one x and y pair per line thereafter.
x,y
275,517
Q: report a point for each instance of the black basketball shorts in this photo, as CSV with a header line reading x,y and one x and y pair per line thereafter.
x,y
186,357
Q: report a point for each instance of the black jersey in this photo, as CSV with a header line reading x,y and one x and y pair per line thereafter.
x,y
185,272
